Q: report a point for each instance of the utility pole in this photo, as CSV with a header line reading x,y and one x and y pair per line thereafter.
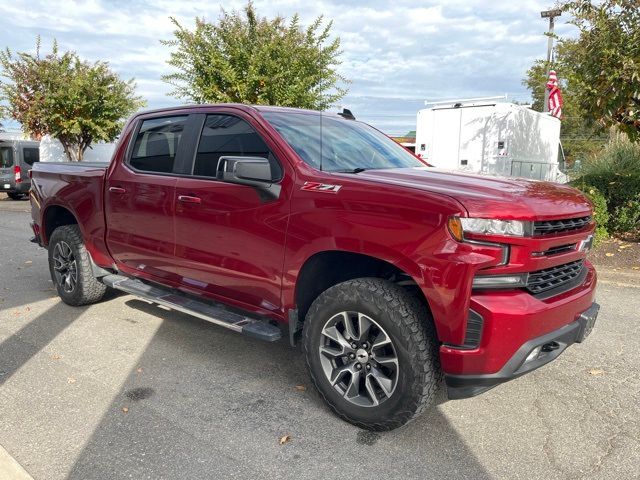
x,y
551,15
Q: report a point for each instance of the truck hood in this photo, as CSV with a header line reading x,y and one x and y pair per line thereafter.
x,y
491,197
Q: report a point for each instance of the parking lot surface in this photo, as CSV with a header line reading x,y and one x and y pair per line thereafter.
x,y
124,389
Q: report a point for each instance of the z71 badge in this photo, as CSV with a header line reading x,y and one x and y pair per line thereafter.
x,y
321,187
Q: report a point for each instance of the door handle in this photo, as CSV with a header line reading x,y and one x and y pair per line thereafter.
x,y
189,199
117,190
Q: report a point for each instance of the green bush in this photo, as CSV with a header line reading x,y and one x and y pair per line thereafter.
x,y
626,218
600,213
615,173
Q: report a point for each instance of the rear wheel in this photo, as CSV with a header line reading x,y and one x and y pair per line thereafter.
x,y
70,267
371,351
15,195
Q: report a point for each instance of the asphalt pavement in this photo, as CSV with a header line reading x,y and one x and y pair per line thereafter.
x,y
124,389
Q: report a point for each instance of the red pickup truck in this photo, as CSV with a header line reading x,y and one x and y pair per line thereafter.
x,y
400,281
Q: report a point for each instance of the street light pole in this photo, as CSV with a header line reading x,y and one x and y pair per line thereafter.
x,y
551,15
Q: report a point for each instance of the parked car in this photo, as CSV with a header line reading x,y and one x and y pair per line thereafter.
x,y
275,221
16,159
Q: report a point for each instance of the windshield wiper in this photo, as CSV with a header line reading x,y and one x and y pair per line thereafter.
x,y
353,170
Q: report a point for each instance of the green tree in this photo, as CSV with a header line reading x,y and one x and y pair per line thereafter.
x,y
603,63
581,137
246,58
74,101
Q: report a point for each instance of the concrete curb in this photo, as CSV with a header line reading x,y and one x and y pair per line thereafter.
x,y
10,469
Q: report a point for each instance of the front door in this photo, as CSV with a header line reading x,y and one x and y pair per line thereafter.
x,y
230,238
140,199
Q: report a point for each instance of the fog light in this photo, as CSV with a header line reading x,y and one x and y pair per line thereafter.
x,y
533,355
500,281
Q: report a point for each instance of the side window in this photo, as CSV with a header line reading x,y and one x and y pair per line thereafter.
x,y
157,143
31,155
226,135
6,157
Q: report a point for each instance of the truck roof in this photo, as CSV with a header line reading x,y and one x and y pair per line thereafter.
x,y
239,106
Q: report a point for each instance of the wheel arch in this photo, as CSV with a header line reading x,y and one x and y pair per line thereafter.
x,y
56,216
327,268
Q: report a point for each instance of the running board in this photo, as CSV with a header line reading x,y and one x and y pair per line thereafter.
x,y
211,312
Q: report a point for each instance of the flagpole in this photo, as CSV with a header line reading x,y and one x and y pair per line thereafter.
x,y
551,15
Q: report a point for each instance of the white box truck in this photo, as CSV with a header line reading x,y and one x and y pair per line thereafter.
x,y
489,137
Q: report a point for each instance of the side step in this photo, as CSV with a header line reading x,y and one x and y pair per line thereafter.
x,y
211,312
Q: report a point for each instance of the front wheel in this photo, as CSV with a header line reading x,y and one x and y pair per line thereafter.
x,y
372,354
70,267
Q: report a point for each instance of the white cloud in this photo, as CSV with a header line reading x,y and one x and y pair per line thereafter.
x,y
400,50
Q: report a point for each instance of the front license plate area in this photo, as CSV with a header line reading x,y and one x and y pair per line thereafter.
x,y
588,321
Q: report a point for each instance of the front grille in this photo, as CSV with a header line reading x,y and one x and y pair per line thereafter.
x,y
544,227
559,250
549,278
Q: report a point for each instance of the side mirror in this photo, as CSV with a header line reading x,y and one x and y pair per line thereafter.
x,y
250,171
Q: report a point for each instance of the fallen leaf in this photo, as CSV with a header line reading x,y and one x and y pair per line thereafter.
x,y
624,246
299,388
609,254
125,410
71,380
635,268
139,370
28,262
55,356
285,439
596,371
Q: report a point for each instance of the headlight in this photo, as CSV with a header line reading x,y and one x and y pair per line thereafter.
x,y
487,226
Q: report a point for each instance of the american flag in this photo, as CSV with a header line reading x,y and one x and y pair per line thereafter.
x,y
555,96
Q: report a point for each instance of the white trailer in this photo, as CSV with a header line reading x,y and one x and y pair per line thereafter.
x,y
489,137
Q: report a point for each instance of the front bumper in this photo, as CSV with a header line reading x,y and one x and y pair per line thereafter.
x,y
551,346
511,319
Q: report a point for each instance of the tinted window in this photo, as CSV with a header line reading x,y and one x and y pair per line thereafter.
x,y
6,157
157,143
31,155
225,135
335,144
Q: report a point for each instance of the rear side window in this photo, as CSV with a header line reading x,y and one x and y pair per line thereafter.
x,y
31,155
226,135
157,143
6,157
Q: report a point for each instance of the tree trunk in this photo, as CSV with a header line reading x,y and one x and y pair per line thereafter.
x,y
74,151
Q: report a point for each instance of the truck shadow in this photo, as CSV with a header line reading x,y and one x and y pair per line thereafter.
x,y
23,345
204,402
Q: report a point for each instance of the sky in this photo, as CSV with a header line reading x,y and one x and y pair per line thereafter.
x,y
397,54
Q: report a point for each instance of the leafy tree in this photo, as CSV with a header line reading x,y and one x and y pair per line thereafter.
x,y
245,58
74,101
581,137
603,63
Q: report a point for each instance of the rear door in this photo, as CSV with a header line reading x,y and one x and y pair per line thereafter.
x,y
6,167
140,198
230,238
30,155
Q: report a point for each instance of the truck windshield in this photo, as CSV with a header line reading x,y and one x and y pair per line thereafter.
x,y
6,157
339,145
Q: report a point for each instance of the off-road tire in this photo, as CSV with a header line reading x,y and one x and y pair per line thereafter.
x,y
408,322
87,289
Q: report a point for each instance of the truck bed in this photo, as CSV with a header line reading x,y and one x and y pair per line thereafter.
x,y
78,188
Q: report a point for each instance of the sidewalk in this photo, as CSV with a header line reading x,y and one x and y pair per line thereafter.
x,y
10,469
